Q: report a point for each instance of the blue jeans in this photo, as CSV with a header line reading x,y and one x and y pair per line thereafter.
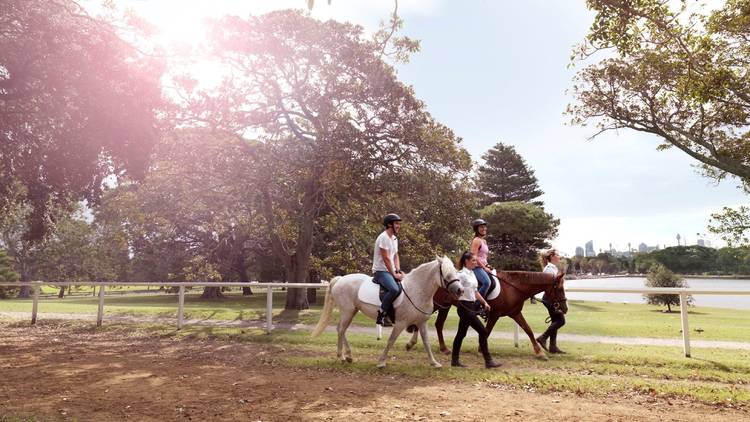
x,y
483,279
385,279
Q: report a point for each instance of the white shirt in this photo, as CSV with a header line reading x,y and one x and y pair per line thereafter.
x,y
391,245
469,284
551,269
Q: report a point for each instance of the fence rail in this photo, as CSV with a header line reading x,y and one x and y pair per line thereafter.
x,y
681,292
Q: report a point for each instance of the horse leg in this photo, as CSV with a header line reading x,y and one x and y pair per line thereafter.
x,y
521,321
395,332
346,319
413,341
439,324
426,342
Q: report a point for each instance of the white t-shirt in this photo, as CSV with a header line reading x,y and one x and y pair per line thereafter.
x,y
551,269
469,284
391,245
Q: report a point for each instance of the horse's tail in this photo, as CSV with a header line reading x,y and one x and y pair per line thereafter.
x,y
325,317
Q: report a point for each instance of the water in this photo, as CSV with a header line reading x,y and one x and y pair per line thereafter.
x,y
723,301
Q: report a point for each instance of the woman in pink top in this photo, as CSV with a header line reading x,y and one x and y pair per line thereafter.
x,y
480,250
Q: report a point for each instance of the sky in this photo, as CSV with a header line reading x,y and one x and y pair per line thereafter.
x,y
497,71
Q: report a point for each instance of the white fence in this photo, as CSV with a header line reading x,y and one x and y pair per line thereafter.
x,y
681,292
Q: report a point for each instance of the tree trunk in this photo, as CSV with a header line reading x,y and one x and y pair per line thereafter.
x,y
61,294
210,292
669,308
25,291
312,294
242,270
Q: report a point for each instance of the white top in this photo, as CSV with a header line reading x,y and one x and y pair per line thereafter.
x,y
551,269
385,242
469,284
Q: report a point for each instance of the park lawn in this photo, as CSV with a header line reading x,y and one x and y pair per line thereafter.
x,y
586,318
710,376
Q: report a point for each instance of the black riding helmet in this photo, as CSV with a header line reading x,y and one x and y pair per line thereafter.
x,y
390,218
478,222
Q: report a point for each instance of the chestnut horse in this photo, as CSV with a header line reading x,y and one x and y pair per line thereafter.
x,y
517,286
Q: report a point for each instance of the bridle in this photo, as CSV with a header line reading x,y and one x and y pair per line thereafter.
x,y
556,300
443,282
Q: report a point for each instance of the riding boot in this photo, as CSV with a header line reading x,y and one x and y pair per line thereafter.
x,y
542,340
383,319
553,344
455,362
490,363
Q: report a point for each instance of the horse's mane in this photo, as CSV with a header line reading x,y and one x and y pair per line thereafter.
x,y
445,263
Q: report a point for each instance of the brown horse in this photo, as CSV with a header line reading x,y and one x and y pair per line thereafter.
x,y
517,286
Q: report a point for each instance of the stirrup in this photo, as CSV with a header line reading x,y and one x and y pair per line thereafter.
x,y
383,320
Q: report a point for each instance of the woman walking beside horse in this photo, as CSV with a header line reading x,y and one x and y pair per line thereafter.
x,y
549,261
467,313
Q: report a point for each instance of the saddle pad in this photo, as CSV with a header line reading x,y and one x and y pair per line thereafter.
x,y
369,292
495,292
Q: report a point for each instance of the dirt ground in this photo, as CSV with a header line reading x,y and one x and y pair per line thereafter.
x,y
58,371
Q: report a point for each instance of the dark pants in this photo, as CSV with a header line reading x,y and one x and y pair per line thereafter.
x,y
468,318
557,320
483,279
385,279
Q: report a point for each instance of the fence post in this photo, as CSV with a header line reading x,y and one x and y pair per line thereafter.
x,y
515,334
100,313
685,328
181,308
269,309
35,301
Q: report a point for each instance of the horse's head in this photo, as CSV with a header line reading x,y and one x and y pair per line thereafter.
x,y
556,294
449,277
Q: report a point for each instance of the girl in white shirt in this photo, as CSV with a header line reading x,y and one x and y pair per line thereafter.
x,y
467,314
549,261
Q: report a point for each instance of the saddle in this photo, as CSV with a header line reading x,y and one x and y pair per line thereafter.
x,y
373,293
494,290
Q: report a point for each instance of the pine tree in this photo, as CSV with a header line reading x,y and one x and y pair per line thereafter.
x,y
505,177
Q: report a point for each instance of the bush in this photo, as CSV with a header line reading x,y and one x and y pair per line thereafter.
x,y
660,276
7,275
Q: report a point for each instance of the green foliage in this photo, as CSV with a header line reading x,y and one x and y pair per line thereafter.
x,y
660,276
732,224
505,177
7,275
516,231
77,104
679,75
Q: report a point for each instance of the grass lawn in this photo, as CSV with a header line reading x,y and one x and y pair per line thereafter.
x,y
711,376
587,318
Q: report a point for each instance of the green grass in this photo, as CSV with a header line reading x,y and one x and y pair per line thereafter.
x,y
587,318
710,376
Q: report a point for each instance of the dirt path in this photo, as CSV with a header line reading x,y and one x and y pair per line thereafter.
x,y
564,337
58,371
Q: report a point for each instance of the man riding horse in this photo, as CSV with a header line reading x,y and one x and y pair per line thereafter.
x,y
386,267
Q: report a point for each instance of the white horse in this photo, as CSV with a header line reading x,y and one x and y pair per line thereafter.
x,y
419,286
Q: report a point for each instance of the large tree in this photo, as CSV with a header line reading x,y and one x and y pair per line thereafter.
x,y
679,75
7,275
77,104
517,230
330,118
504,176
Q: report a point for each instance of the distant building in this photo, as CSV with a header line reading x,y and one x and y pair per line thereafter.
x,y
579,251
642,248
590,249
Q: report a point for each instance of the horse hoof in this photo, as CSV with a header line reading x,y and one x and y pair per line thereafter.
x,y
349,359
381,365
409,346
445,351
542,356
436,365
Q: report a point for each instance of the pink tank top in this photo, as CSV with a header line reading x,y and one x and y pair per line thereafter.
x,y
483,252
